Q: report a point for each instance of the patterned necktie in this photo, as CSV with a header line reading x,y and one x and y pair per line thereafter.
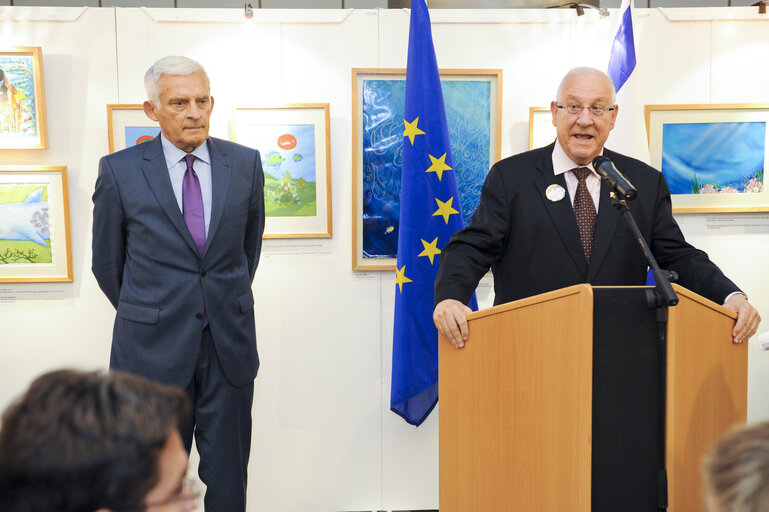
x,y
192,205
584,210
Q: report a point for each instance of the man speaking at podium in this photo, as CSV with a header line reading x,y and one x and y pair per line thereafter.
x,y
545,221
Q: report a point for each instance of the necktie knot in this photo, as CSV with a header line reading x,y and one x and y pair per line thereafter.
x,y
581,173
189,158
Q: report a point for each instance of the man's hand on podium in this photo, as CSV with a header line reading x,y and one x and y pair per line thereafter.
x,y
747,317
450,317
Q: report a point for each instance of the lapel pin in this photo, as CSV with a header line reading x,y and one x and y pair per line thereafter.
x,y
555,192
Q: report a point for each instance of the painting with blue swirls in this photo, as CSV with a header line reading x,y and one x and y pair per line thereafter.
x,y
468,114
714,158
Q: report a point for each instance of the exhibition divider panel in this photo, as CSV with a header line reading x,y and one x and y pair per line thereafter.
x,y
587,399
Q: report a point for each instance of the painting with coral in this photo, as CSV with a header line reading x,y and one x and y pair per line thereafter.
x,y
22,104
34,224
713,156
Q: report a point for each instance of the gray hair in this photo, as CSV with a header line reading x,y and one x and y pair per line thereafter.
x,y
586,71
171,65
737,471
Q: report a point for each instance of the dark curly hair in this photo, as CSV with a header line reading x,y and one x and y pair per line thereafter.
x,y
80,441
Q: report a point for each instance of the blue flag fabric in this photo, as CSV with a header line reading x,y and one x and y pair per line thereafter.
x,y
430,214
622,58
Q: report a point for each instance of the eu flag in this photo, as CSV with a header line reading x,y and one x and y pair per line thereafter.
x,y
430,213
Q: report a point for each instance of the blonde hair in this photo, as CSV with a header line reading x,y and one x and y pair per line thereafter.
x,y
737,471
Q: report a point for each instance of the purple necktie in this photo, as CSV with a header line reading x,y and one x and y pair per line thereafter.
x,y
584,209
192,205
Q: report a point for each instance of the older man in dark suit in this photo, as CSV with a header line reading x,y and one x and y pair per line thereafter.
x,y
177,232
545,221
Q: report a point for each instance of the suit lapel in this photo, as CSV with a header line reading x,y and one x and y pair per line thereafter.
x,y
156,174
605,226
220,181
561,212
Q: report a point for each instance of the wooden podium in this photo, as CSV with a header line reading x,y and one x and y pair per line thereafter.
x,y
587,400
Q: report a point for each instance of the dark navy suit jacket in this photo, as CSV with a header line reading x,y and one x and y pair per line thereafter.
x,y
147,264
532,244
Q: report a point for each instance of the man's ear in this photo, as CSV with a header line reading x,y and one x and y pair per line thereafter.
x,y
149,109
554,112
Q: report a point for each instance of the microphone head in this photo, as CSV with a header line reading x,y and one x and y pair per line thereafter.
x,y
599,160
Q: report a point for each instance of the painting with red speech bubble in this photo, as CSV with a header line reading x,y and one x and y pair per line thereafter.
x,y
293,144
128,126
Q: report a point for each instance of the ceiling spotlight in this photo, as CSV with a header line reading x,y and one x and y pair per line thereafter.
x,y
761,7
249,11
579,8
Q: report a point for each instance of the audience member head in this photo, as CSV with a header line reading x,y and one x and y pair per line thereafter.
x,y
86,441
737,471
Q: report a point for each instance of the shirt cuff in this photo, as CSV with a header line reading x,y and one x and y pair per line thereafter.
x,y
734,293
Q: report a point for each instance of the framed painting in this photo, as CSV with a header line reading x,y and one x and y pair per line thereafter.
x,y
712,156
22,99
34,224
541,129
473,102
295,147
128,125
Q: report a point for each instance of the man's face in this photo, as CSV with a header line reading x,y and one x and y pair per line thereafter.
x,y
171,494
184,110
582,136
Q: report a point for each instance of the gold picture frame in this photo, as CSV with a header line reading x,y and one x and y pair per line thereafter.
x,y
375,213
541,129
34,224
128,125
22,99
713,156
294,142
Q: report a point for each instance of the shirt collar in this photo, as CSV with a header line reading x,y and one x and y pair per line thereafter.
x,y
562,163
173,154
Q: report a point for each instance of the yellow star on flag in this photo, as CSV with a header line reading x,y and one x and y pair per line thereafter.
x,y
400,277
438,166
431,249
412,130
445,209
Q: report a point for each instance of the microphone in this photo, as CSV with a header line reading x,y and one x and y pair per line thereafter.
x,y
619,183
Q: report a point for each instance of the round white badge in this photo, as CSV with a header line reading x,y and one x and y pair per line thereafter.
x,y
555,192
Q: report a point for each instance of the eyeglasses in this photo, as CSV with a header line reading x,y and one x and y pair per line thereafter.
x,y
188,495
595,110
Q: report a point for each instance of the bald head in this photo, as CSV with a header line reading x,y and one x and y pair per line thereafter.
x,y
586,72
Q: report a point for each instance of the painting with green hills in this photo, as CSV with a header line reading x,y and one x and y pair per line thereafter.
x,y
25,235
288,159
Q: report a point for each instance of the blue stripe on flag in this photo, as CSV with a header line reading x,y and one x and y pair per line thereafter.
x,y
622,60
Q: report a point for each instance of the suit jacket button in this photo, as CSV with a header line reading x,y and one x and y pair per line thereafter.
x,y
199,316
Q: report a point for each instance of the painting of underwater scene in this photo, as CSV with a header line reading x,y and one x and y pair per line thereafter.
x,y
714,158
468,106
25,236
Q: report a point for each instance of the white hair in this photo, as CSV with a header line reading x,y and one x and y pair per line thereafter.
x,y
171,65
586,71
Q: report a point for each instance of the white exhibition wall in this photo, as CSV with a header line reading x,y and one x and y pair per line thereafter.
x,y
324,438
